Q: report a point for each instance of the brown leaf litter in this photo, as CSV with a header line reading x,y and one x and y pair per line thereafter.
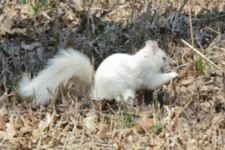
x,y
30,34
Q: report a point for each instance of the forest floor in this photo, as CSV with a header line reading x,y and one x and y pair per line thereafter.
x,y
192,33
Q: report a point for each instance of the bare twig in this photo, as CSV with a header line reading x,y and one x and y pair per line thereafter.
x,y
191,29
74,34
199,53
223,84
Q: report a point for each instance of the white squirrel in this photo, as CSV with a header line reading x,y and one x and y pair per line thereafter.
x,y
118,77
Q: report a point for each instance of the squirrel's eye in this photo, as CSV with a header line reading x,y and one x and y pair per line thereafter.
x,y
164,58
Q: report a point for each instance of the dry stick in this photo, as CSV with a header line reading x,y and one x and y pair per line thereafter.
x,y
198,95
170,91
120,7
223,84
216,17
83,19
116,114
90,43
164,5
46,16
192,39
184,65
106,32
142,18
185,2
97,36
112,109
197,88
180,111
199,53
6,92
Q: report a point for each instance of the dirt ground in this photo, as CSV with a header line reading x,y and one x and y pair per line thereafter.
x,y
191,116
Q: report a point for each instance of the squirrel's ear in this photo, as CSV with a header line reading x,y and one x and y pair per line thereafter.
x,y
153,44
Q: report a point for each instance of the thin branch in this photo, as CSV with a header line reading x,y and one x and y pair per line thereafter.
x,y
199,53
74,34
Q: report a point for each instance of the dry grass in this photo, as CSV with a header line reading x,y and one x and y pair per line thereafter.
x,y
31,33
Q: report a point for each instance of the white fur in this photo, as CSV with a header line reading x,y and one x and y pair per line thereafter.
x,y
118,76
121,75
66,65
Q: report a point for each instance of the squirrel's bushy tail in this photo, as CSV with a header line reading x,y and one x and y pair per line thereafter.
x,y
68,64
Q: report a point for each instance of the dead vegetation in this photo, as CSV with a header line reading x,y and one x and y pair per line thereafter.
x,y
30,33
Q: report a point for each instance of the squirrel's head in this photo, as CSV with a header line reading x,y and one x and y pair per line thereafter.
x,y
156,55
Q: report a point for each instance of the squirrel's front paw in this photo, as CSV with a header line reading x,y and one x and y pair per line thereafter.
x,y
174,74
